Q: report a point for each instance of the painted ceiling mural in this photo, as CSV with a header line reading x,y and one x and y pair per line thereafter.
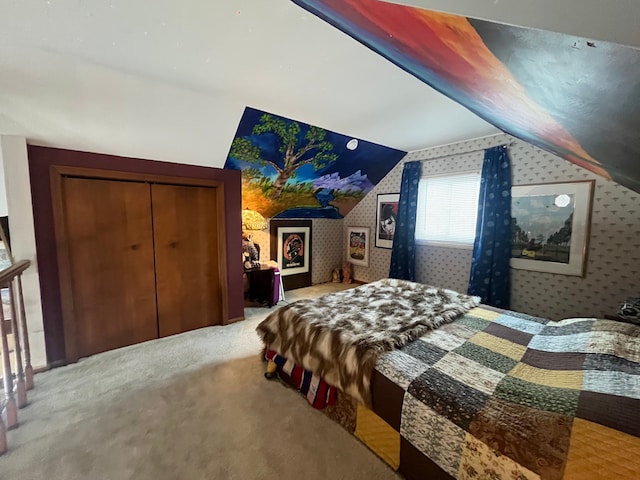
x,y
294,170
573,97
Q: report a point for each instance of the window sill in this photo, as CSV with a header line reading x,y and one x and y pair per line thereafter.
x,y
456,245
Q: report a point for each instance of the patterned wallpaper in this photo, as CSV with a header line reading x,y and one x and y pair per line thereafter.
x,y
613,269
326,245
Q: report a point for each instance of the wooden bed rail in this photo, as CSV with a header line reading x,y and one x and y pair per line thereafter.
x,y
15,392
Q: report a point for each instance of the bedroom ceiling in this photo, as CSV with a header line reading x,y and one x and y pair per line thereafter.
x,y
572,96
170,82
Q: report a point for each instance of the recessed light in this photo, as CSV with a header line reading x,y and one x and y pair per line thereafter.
x,y
352,144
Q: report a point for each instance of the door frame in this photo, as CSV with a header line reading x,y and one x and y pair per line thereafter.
x,y
57,172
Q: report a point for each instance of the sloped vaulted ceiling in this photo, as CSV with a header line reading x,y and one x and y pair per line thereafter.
x,y
170,80
575,97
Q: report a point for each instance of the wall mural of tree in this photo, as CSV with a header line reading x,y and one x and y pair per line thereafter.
x,y
294,153
294,170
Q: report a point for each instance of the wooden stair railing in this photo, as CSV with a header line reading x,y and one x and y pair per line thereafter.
x,y
11,278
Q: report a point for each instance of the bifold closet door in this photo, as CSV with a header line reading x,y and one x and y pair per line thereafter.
x,y
186,252
110,243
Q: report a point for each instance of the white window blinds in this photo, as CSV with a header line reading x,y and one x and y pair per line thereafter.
x,y
447,208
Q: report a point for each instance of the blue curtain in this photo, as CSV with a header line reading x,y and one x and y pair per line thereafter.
x,y
403,253
490,273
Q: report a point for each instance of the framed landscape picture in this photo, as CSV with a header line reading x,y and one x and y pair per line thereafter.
x,y
386,214
358,240
550,226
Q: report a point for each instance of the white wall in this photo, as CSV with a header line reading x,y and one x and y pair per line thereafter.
x,y
3,191
13,158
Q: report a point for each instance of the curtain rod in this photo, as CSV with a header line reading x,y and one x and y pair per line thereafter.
x,y
509,144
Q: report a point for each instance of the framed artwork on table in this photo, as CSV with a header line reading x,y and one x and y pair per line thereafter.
x,y
358,240
386,214
550,225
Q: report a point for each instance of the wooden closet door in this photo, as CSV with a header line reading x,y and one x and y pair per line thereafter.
x,y
110,244
186,251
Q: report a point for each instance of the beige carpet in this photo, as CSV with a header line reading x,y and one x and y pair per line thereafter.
x,y
192,406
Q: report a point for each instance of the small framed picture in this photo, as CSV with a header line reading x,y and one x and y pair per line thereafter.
x,y
386,214
358,240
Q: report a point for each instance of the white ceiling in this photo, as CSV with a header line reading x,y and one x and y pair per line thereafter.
x,y
169,80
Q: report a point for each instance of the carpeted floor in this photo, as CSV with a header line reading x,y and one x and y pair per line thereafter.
x,y
192,406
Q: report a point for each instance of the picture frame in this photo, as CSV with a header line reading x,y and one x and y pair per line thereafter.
x,y
386,214
6,259
293,250
550,225
358,240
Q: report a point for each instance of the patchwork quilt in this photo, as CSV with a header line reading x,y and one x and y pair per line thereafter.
x,y
340,336
502,395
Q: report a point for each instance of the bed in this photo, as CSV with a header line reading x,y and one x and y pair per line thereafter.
x,y
441,387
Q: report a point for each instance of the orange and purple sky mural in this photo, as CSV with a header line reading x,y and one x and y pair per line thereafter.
x,y
572,97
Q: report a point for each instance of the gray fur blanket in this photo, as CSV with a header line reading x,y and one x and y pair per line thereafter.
x,y
341,335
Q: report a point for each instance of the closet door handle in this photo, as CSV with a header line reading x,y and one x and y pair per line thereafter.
x,y
135,246
173,244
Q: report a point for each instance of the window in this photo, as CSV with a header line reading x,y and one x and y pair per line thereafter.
x,y
447,209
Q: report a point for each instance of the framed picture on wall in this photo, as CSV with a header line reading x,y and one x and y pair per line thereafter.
x,y
550,226
386,214
358,240
6,260
293,251
291,246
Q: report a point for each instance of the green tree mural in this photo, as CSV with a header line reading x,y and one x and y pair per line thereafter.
x,y
311,149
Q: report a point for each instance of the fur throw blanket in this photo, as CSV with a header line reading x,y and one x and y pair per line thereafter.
x,y
340,336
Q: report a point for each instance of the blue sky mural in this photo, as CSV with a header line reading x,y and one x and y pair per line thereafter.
x,y
294,170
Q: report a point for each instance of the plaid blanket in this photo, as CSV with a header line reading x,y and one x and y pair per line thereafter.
x,y
509,396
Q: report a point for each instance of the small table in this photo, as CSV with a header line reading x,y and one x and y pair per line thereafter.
x,y
264,285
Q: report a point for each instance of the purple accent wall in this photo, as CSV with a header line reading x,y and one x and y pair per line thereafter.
x,y
40,161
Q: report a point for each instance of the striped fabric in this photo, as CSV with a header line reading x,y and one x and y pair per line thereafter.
x,y
318,393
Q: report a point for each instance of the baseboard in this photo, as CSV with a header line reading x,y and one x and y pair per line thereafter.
x,y
50,365
234,320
